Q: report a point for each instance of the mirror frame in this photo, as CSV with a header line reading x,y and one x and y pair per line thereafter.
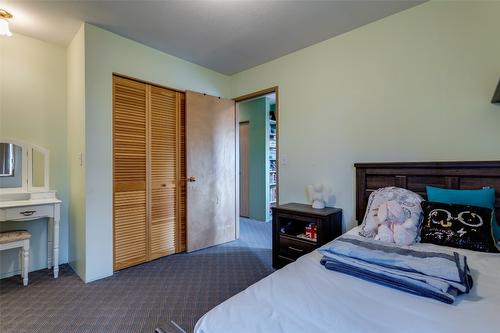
x,y
46,156
27,167
24,168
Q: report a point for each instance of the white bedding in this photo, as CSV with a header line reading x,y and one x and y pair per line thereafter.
x,y
305,297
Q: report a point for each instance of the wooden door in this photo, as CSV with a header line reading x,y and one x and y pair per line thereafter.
x,y
149,151
129,170
181,232
211,159
244,160
164,146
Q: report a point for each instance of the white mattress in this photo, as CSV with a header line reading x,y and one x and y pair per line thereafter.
x,y
305,297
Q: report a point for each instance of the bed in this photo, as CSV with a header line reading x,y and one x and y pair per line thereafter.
x,y
305,297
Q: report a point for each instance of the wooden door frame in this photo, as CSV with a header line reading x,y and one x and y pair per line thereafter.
x,y
239,166
147,82
253,95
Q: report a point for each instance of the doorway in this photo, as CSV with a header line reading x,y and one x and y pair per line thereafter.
x,y
244,168
258,154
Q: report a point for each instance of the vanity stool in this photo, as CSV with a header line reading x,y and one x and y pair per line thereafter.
x,y
21,239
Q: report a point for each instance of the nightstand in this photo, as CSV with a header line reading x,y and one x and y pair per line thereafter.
x,y
289,230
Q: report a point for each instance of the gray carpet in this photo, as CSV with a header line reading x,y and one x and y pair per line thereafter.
x,y
179,287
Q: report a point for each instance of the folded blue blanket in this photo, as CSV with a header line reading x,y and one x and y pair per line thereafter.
x,y
426,270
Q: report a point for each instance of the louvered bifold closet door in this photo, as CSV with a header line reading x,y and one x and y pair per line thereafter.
x,y
130,121
181,223
165,109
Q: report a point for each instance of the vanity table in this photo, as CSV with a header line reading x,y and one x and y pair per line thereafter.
x,y
24,191
37,206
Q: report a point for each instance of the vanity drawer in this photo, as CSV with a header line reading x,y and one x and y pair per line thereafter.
x,y
28,212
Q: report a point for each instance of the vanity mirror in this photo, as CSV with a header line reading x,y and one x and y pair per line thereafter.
x,y
24,167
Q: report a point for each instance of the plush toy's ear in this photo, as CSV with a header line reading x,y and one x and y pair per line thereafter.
x,y
382,212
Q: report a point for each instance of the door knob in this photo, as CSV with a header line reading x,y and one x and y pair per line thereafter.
x,y
191,179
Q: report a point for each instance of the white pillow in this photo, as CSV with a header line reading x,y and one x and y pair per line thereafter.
x,y
410,201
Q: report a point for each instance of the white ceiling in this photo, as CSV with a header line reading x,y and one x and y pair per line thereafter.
x,y
226,36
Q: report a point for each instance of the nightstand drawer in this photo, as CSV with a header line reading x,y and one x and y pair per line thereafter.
x,y
292,248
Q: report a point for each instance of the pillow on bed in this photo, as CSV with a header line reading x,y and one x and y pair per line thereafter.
x,y
460,226
483,198
409,201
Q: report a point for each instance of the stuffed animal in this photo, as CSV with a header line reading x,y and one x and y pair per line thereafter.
x,y
409,201
394,226
405,234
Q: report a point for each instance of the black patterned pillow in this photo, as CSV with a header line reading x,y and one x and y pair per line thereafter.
x,y
460,226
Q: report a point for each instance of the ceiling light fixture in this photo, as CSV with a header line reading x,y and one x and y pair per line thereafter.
x,y
5,16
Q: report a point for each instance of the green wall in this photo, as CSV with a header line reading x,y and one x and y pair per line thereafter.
x,y
76,149
33,109
255,112
415,86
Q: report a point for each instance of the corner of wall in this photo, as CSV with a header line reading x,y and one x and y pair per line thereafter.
x,y
107,53
76,147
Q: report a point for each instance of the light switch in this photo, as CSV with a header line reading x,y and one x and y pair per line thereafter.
x,y
80,158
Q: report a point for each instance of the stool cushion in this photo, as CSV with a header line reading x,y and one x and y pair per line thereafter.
x,y
12,236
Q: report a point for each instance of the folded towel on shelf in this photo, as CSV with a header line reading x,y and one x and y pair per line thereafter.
x,y
423,269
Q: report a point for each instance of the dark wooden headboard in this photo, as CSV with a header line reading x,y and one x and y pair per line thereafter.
x,y
416,175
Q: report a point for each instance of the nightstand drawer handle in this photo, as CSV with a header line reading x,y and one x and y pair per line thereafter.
x,y
28,212
295,249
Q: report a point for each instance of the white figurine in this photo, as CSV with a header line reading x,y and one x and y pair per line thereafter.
x,y
319,195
